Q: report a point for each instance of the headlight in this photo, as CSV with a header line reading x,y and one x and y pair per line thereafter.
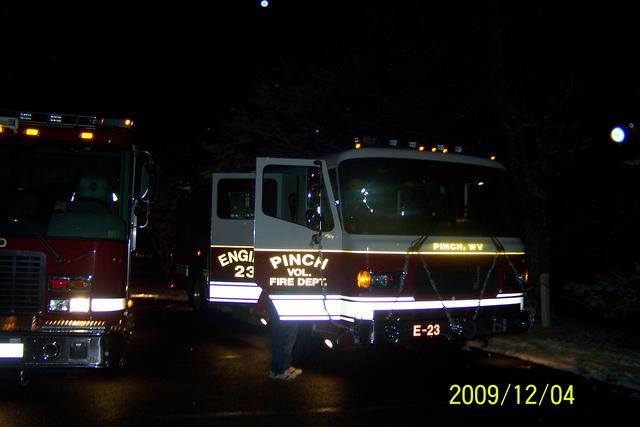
x,y
58,305
390,280
522,278
386,280
80,305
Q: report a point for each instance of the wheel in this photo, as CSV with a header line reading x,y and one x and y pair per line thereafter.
x,y
198,294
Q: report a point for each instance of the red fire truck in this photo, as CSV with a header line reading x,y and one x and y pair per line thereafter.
x,y
373,245
74,191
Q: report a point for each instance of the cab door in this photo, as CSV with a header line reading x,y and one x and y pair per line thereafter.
x,y
231,278
297,237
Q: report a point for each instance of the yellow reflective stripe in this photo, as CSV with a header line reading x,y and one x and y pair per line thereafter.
x,y
346,251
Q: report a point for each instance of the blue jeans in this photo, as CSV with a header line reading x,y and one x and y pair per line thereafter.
x,y
283,338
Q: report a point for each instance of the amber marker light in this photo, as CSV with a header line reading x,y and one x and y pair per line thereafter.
x,y
128,122
32,132
492,157
129,303
364,279
87,135
434,149
1,129
358,145
421,148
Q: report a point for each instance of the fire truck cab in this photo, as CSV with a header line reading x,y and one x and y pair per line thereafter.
x,y
373,245
73,190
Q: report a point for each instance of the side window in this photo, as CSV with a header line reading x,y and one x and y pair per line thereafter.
x,y
236,198
295,196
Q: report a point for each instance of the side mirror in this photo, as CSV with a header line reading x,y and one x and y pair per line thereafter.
x,y
141,206
312,219
144,180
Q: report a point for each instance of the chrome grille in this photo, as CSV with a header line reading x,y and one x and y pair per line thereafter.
x,y
459,281
21,281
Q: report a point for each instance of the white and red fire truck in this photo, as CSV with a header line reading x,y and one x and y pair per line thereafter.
x,y
73,191
372,245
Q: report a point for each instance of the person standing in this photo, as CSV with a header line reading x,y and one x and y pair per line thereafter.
x,y
283,339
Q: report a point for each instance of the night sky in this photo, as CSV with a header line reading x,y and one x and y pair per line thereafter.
x,y
195,63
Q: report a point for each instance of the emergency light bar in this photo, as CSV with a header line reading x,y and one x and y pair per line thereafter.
x,y
11,119
372,141
70,120
119,123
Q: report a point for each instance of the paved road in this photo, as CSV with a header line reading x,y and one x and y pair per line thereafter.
x,y
187,371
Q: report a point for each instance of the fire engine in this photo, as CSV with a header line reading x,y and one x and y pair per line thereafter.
x,y
74,192
372,245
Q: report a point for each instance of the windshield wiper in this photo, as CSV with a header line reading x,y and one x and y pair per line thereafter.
x,y
35,233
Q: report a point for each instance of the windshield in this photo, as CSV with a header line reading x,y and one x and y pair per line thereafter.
x,y
420,197
53,189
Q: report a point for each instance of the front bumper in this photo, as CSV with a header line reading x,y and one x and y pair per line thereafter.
x,y
48,349
393,327
423,326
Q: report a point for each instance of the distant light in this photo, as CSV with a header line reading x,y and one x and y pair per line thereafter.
x,y
358,145
445,151
263,321
421,148
264,3
618,135
434,149
113,197
492,157
328,343
481,183
32,132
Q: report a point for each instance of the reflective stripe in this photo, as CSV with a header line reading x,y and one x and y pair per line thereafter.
x,y
214,282
243,292
509,295
303,318
108,304
234,300
11,350
307,306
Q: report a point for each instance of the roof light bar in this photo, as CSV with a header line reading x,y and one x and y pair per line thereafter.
x,y
64,120
117,123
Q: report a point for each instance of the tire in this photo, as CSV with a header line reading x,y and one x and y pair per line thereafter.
x,y
197,294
